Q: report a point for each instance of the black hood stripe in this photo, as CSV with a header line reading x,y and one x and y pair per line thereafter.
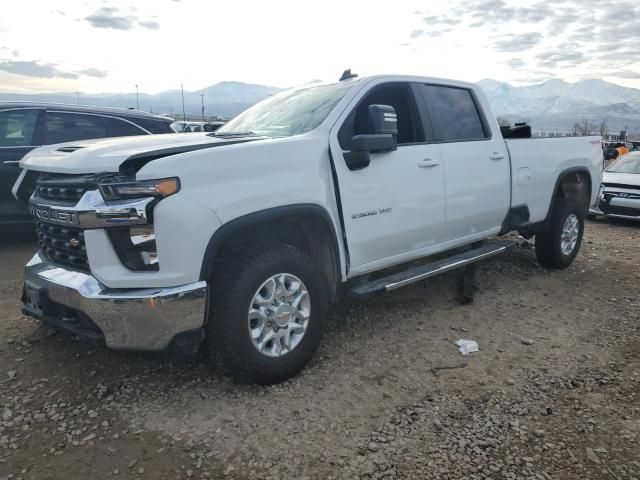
x,y
135,162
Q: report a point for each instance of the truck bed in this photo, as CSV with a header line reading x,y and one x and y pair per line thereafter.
x,y
531,169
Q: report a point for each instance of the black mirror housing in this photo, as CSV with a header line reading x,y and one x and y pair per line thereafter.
x,y
374,143
383,120
383,137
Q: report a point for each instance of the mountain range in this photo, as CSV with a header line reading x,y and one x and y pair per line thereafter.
x,y
558,105
224,99
554,105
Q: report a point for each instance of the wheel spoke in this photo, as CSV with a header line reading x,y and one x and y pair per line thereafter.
x,y
269,335
285,339
269,287
260,322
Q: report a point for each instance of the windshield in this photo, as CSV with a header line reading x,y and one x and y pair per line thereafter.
x,y
289,113
630,163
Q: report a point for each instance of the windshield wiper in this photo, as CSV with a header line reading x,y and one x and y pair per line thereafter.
x,y
247,133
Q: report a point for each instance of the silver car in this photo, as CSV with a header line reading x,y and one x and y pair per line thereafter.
x,y
620,190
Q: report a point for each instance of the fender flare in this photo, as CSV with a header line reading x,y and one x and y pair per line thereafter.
x,y
561,176
268,215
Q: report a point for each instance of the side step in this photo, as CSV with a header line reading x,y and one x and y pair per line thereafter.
x,y
415,274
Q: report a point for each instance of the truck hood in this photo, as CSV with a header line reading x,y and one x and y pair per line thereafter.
x,y
621,178
107,155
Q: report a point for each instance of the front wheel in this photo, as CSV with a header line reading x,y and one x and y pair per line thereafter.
x,y
268,313
559,244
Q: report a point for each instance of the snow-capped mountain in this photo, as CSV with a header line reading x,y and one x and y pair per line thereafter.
x,y
556,104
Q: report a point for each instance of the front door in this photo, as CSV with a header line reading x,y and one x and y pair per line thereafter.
x,y
394,206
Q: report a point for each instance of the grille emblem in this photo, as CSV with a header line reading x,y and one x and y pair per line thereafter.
x,y
74,242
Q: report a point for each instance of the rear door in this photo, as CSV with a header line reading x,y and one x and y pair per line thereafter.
x,y
395,206
19,134
476,163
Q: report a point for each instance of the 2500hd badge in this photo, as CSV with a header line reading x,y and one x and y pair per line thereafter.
x,y
370,213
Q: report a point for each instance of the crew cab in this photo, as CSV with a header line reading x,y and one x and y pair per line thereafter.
x,y
236,242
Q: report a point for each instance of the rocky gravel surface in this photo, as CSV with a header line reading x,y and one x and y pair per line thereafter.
x,y
553,392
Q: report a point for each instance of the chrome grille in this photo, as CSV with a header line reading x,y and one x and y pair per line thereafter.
x,y
62,245
65,195
58,189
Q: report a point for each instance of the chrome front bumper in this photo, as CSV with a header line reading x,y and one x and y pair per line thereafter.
x,y
145,319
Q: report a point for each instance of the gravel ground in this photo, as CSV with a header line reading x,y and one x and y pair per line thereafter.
x,y
553,392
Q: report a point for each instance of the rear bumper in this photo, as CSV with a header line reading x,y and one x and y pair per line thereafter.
x,y
149,319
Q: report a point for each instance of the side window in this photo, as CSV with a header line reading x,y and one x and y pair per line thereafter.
x,y
17,127
397,95
455,113
120,128
69,127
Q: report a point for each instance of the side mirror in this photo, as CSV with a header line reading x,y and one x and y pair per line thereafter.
x,y
383,125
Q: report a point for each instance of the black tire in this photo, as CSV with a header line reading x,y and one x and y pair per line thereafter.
x,y
232,293
548,243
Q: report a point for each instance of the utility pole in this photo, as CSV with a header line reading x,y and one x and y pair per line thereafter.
x,y
78,97
137,103
202,101
184,116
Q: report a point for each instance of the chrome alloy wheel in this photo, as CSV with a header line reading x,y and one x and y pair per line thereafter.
x,y
570,233
279,315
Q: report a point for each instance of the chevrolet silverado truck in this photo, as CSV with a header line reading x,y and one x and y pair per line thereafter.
x,y
235,243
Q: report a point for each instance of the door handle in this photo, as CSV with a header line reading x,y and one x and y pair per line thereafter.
x,y
496,156
428,162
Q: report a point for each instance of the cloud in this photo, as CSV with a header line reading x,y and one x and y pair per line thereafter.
x,y
498,11
111,18
420,32
628,74
35,69
550,59
442,20
46,70
93,72
518,43
149,25
515,63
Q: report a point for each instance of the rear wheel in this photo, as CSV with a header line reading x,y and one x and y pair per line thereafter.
x,y
268,311
559,244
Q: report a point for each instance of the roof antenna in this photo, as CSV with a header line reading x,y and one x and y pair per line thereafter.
x,y
346,75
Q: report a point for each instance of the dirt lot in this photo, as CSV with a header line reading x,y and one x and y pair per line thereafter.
x,y
553,393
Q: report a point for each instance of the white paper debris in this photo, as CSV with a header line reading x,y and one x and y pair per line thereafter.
x,y
467,346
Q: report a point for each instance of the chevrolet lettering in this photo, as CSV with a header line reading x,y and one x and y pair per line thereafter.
x,y
47,214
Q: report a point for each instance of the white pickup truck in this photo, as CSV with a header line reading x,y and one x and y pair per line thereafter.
x,y
236,242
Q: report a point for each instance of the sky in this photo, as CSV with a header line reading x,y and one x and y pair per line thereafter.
x,y
112,46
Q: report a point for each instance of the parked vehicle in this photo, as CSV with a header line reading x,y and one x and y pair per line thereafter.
x,y
190,127
244,236
620,191
25,125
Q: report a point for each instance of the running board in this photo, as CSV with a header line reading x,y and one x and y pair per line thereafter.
x,y
415,274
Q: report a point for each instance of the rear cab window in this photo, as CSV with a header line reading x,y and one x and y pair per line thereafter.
x,y
17,127
455,114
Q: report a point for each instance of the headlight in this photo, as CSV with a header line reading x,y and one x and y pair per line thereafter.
x,y
118,188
